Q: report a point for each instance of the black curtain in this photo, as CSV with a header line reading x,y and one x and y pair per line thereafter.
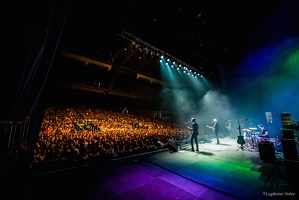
x,y
32,33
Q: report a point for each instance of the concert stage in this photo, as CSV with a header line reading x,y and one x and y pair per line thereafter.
x,y
222,171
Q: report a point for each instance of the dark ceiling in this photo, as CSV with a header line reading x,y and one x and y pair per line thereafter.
x,y
214,37
201,34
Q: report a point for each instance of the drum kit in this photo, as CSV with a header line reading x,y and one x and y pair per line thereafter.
x,y
251,138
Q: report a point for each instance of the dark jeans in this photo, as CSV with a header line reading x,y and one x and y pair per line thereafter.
x,y
217,138
194,138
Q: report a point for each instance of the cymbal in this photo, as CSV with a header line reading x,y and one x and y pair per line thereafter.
x,y
245,129
253,129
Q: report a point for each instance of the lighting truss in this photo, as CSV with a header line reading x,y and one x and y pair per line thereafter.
x,y
149,47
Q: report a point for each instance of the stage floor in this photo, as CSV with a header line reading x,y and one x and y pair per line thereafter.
x,y
222,171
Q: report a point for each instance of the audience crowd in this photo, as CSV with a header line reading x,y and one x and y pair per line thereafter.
x,y
76,136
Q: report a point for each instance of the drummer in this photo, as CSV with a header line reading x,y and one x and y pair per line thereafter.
x,y
264,135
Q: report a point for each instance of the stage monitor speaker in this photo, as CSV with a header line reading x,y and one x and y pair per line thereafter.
x,y
173,147
267,151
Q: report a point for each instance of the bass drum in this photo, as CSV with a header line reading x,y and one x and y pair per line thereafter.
x,y
248,142
246,134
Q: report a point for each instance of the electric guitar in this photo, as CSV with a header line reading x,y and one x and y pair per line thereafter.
x,y
228,128
241,139
211,127
186,123
200,131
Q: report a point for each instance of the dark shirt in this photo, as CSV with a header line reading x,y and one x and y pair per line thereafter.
x,y
264,135
216,127
194,128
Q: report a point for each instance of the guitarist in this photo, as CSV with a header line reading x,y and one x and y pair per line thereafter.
x,y
228,125
194,134
215,129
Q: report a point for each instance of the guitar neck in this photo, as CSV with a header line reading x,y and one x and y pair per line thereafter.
x,y
210,127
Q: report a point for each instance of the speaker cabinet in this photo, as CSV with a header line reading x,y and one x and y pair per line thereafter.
x,y
289,143
172,147
267,151
290,149
288,133
292,170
